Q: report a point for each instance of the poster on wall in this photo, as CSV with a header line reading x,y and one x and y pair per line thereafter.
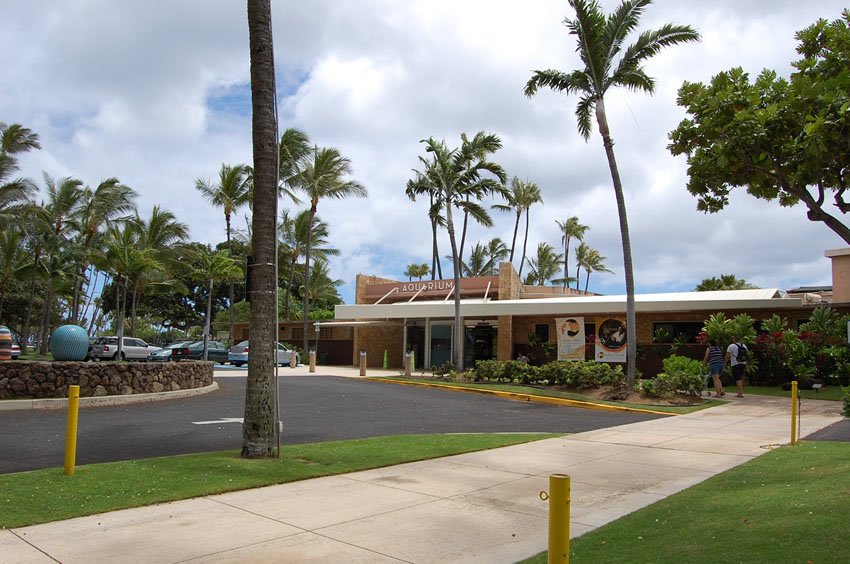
x,y
570,338
611,340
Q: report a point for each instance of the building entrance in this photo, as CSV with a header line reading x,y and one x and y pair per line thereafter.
x,y
416,343
481,344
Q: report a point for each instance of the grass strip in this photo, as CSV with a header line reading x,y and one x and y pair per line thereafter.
x,y
40,496
789,505
531,390
830,393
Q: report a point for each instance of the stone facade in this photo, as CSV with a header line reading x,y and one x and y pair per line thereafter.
x,y
21,379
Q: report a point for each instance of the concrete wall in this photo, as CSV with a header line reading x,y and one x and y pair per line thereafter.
x,y
840,274
32,379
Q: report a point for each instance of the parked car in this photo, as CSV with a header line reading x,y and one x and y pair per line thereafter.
x,y
16,351
164,354
106,348
239,354
216,352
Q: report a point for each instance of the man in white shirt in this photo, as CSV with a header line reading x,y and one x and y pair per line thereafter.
x,y
737,355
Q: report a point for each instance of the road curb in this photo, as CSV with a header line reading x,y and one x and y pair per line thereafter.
x,y
527,397
101,401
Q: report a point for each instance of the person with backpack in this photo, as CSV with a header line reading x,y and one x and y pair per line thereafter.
x,y
737,356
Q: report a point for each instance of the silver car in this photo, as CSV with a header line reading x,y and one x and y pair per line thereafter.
x,y
106,348
239,354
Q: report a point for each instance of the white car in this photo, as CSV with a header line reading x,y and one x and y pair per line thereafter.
x,y
239,354
106,348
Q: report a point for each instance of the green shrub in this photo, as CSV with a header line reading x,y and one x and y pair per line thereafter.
x,y
846,401
677,363
669,383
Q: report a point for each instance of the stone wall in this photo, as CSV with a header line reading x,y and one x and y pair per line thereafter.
x,y
21,379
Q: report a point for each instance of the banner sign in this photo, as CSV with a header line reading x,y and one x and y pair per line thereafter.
x,y
611,340
570,338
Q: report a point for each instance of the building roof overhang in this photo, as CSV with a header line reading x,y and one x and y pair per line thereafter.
x,y
759,299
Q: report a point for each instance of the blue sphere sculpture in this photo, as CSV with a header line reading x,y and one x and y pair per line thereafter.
x,y
69,342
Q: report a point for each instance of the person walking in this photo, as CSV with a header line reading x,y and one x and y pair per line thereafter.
x,y
737,356
714,359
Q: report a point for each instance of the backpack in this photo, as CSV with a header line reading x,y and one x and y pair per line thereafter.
x,y
743,355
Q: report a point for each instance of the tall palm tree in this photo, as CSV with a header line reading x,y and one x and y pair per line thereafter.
x,y
522,195
593,262
294,152
211,267
478,263
293,241
232,192
324,177
545,265
605,63
110,201
451,174
570,229
259,421
418,186
497,252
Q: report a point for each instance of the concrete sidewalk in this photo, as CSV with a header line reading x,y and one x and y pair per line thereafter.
x,y
476,507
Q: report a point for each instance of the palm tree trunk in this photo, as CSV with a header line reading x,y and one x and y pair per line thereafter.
x,y
566,255
308,250
133,309
516,228
207,322
122,310
525,241
89,298
631,324
259,422
586,281
578,271
25,330
287,315
463,235
45,318
230,296
457,358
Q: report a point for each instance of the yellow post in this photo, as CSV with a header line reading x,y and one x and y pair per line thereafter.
x,y
794,412
559,518
71,430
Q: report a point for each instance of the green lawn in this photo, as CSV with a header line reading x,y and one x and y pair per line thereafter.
x,y
789,505
833,393
40,496
531,390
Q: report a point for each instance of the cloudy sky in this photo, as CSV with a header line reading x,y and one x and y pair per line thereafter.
x,y
156,93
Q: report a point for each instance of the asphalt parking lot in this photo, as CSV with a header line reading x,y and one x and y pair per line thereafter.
x,y
313,409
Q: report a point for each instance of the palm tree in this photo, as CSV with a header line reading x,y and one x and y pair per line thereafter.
x,y
545,265
293,241
593,262
605,63
418,186
724,282
497,251
451,174
522,195
479,263
258,427
417,270
98,207
14,139
212,267
294,152
323,178
232,192
13,261
570,229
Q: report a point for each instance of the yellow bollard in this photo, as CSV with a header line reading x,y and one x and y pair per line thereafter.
x,y
71,430
794,412
559,518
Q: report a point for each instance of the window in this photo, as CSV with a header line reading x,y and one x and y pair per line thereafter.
x,y
326,332
541,331
667,331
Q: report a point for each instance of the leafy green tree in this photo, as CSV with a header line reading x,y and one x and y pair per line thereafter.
x,y
258,429
451,174
293,235
418,186
593,262
570,229
416,270
605,64
323,177
776,138
723,282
